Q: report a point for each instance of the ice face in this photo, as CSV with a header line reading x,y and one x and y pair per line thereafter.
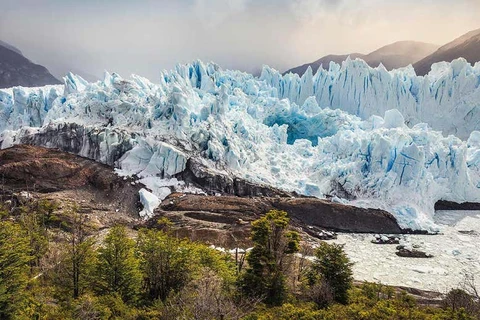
x,y
26,106
448,98
153,158
253,129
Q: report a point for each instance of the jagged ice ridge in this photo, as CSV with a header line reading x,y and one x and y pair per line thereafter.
x,y
448,98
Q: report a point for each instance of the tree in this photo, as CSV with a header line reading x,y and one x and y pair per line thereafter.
x,y
332,266
75,272
457,299
118,267
166,263
14,261
207,297
46,209
31,222
268,260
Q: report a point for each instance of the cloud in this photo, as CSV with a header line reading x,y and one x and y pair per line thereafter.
x,y
213,12
147,36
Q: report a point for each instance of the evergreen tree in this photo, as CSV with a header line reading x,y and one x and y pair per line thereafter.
x,y
268,260
118,267
332,267
14,261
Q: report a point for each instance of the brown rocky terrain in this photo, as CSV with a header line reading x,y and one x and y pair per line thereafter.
x,y
234,214
41,173
30,171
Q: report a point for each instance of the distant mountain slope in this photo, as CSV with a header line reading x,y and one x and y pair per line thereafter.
x,y
466,46
400,54
9,46
392,56
16,70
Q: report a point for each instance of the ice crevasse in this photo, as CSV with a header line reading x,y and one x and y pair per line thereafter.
x,y
257,130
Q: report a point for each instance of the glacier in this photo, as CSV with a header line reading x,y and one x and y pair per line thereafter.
x,y
279,131
448,98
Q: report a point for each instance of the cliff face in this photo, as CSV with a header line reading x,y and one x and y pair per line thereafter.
x,y
303,211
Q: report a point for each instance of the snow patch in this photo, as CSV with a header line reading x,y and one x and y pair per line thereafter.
x,y
149,201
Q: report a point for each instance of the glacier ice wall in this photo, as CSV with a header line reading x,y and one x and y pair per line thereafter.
x,y
239,125
448,98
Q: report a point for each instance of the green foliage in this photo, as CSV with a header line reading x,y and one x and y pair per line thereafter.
x,y
164,224
168,264
332,266
165,262
287,311
117,267
377,302
14,261
457,299
180,279
268,260
46,209
221,264
89,307
31,221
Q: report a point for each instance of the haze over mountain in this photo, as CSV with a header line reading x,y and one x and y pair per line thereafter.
x,y
466,46
16,70
9,46
59,71
392,56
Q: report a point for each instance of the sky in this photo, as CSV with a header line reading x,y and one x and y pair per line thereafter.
x,y
146,37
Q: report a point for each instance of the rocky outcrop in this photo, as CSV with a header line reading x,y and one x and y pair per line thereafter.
x,y
217,182
105,145
449,205
63,176
303,211
338,217
402,251
219,220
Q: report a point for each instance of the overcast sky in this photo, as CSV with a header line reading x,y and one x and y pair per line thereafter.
x,y
145,37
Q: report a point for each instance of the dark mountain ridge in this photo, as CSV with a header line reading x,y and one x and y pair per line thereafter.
x,y
466,46
16,70
392,56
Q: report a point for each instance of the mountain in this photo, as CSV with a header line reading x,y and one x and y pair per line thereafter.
x,y
399,54
9,46
466,46
241,135
392,56
16,70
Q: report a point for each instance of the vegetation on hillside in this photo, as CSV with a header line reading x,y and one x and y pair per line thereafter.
x,y
55,267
